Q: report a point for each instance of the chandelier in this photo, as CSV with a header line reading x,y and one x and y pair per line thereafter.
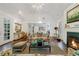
x,y
38,6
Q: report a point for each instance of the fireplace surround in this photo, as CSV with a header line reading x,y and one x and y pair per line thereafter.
x,y
73,40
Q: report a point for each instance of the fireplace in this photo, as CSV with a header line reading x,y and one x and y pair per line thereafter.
x,y
73,40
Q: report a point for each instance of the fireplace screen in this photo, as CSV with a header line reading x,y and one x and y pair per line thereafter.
x,y
73,40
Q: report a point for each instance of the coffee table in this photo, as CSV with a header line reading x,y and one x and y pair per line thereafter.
x,y
48,46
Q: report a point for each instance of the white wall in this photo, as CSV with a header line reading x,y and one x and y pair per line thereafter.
x,y
63,20
62,31
12,20
1,27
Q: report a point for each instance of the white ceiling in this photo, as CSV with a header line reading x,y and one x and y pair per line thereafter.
x,y
51,11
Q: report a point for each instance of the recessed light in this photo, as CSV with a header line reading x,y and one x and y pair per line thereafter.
x,y
20,12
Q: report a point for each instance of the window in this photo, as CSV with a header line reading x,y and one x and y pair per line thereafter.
x,y
6,29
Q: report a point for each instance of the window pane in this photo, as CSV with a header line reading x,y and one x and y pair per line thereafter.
x,y
6,29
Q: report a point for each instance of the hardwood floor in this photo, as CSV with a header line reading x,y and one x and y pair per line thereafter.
x,y
55,50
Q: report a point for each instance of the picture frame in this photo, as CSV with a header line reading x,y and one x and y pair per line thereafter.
x,y
73,15
18,27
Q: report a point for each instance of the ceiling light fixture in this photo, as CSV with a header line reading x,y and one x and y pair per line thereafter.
x,y
20,12
39,21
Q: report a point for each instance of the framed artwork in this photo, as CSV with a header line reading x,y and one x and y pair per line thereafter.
x,y
73,15
18,27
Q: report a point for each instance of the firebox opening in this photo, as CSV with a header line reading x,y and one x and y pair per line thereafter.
x,y
73,40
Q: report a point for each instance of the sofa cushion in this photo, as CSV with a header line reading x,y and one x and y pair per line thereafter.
x,y
19,44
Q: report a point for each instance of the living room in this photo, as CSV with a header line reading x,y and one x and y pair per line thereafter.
x,y
36,29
